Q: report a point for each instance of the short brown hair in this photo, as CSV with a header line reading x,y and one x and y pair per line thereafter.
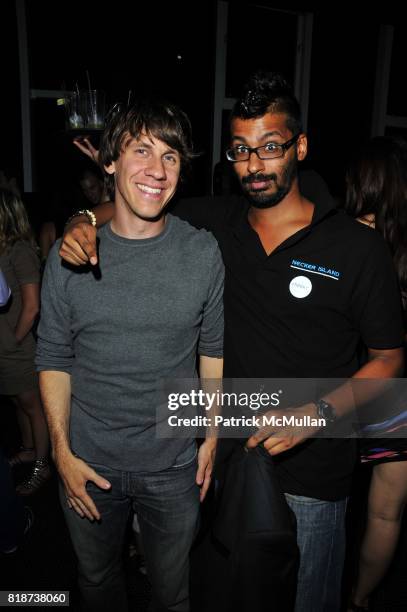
x,y
162,120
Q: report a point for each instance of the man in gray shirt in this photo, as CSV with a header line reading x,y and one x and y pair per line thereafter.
x,y
106,338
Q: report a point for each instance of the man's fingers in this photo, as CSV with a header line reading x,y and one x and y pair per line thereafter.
x,y
85,238
274,446
205,485
275,449
200,475
257,438
83,250
71,250
75,506
88,502
252,442
90,249
77,494
72,257
83,504
79,245
99,481
87,507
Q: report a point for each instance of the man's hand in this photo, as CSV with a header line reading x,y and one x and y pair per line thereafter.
x,y
206,459
75,473
276,439
78,244
84,144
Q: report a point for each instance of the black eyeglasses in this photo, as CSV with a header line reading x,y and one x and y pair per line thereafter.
x,y
271,150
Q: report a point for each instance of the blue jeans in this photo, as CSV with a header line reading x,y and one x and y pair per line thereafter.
x,y
321,541
167,506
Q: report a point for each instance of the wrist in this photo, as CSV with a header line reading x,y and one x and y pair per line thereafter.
x,y
325,410
61,452
211,442
74,221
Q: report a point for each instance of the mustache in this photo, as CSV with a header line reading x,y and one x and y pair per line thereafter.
x,y
257,178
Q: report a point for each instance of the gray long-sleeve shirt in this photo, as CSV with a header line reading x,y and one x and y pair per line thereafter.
x,y
120,329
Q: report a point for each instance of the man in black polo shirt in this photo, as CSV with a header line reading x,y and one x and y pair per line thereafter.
x,y
305,286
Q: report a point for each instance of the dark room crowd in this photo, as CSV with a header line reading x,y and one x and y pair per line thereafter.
x,y
126,284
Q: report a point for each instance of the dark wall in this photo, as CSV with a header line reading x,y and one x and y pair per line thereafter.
x,y
168,49
343,71
155,48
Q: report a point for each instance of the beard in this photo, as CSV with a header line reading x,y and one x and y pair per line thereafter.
x,y
260,198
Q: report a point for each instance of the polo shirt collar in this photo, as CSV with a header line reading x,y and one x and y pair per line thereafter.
x,y
323,207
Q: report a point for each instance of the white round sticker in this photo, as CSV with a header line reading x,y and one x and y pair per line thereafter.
x,y
300,287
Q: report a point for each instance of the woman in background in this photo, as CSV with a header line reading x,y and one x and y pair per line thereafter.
x,y
20,265
377,196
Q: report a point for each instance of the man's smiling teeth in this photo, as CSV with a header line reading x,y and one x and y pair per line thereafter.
x,y
148,189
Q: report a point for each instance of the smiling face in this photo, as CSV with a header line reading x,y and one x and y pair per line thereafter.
x,y
146,176
266,182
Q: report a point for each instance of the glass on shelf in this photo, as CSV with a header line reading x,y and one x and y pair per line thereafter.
x,y
85,109
95,109
75,110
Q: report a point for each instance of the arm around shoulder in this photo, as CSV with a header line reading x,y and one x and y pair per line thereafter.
x,y
78,245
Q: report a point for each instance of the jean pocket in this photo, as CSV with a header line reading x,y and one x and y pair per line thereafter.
x,y
186,457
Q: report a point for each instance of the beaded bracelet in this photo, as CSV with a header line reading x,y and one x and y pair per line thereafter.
x,y
87,213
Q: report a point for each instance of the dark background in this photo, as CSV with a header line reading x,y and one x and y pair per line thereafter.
x,y
169,49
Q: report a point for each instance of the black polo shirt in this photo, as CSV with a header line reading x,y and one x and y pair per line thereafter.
x,y
303,311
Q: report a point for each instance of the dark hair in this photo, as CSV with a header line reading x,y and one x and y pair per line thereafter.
x,y
14,223
268,92
376,183
156,118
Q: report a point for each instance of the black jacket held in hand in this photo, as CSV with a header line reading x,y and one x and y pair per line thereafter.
x,y
257,531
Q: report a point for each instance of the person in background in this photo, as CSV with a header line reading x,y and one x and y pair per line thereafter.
x,y
92,186
91,192
20,265
15,519
376,195
9,181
